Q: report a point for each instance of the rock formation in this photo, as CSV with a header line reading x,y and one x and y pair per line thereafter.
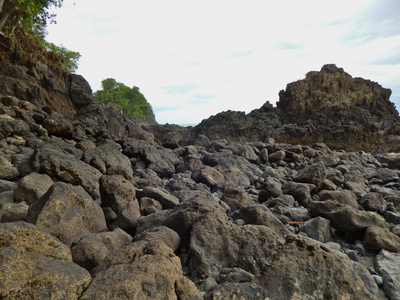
x,y
94,207
328,106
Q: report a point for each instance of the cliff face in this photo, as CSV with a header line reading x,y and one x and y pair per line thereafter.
x,y
30,73
327,106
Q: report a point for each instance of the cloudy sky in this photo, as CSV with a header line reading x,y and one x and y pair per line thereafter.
x,y
193,59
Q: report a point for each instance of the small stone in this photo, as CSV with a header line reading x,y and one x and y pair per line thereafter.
x,y
378,279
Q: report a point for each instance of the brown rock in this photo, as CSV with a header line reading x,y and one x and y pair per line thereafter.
x,y
377,238
157,275
342,197
35,265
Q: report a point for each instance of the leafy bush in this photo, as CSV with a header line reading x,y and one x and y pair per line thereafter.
x,y
130,100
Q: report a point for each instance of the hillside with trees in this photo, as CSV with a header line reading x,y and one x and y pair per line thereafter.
x,y
130,101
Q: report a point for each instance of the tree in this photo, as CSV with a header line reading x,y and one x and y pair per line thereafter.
x,y
30,15
130,100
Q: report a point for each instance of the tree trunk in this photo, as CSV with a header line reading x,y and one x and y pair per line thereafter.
x,y
3,15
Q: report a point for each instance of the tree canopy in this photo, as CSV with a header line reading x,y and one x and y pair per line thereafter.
x,y
130,100
32,16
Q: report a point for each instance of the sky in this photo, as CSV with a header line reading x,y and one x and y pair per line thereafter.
x,y
193,59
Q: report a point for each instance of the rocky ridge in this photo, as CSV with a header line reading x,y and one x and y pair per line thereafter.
x,y
94,207
328,106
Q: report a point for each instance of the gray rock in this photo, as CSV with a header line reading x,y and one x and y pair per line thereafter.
x,y
120,194
13,212
300,191
6,186
166,199
149,206
344,217
67,212
317,228
314,174
387,266
368,279
342,197
277,156
8,172
80,91
386,175
157,274
33,186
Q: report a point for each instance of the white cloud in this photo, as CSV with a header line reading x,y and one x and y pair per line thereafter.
x,y
192,59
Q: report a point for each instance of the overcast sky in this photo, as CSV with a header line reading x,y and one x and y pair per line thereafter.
x,y
194,59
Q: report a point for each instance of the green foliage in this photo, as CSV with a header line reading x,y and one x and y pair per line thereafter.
x,y
71,57
130,100
30,15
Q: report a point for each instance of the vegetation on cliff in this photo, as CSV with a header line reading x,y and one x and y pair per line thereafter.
x,y
128,100
22,18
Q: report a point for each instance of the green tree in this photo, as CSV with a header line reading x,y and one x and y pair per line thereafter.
x,y
130,100
31,15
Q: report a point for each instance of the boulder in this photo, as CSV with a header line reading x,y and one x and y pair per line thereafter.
x,y
300,191
208,175
377,238
80,91
344,217
260,215
149,205
387,266
35,265
13,212
342,197
235,198
107,155
373,201
62,166
67,212
166,199
120,194
93,248
157,275
314,174
317,228
33,186
160,233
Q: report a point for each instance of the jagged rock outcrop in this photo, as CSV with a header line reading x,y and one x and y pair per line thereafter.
x,y
328,106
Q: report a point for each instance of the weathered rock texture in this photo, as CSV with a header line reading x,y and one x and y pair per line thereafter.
x,y
327,106
234,215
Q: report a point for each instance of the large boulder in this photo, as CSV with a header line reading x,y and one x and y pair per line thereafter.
x,y
142,270
217,245
67,212
35,265
314,174
344,217
120,194
63,166
33,186
93,248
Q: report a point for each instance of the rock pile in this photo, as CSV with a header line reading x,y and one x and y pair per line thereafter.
x,y
97,216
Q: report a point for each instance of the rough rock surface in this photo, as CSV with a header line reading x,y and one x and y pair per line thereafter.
x,y
228,209
35,265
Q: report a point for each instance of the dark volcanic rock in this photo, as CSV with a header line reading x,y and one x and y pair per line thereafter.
x,y
330,106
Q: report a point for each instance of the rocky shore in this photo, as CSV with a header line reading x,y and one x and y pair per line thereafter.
x,y
97,206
